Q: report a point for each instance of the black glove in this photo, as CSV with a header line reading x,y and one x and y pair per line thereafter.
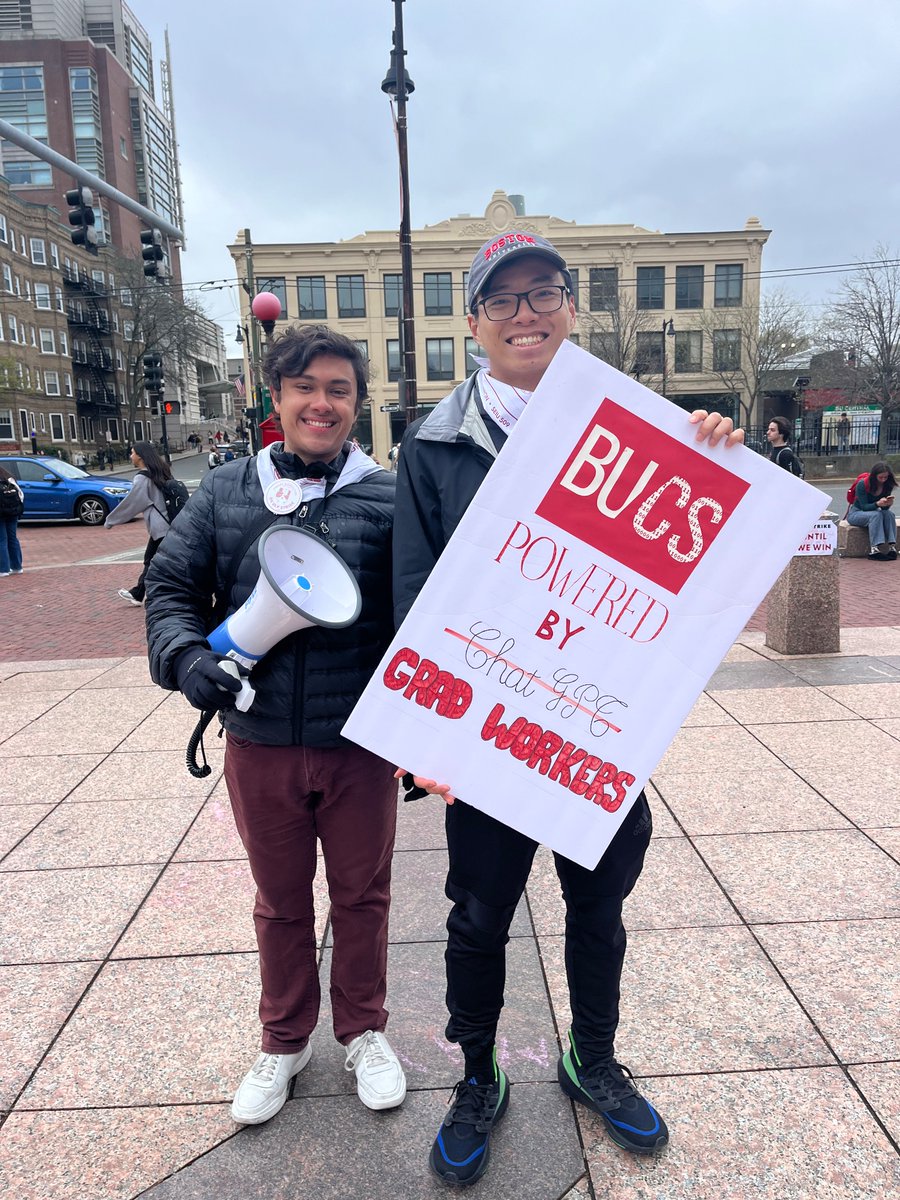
x,y
202,681
413,792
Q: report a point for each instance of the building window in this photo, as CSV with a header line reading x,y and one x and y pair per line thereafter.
x,y
439,358
54,255
123,147
60,307
3,234
73,424
6,425
651,287
48,342
85,99
393,360
472,349
125,297
649,354
67,380
7,278
13,328
729,285
438,294
64,343
311,297
351,294
604,288
1,327
362,345
128,330
120,361
42,295
56,428
23,104
51,384
688,351
276,286
726,350
605,344
689,287
393,294
575,296
38,252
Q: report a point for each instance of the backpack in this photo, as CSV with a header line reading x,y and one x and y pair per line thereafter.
x,y
851,490
10,501
176,495
796,468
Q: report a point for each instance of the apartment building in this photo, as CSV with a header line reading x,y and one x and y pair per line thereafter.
x,y
667,307
79,76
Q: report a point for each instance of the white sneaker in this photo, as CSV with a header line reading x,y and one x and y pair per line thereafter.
x,y
380,1081
126,595
16,571
264,1088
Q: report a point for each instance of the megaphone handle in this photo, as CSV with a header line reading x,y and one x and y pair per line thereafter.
x,y
247,694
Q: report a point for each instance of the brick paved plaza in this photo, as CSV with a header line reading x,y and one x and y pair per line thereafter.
x,y
760,999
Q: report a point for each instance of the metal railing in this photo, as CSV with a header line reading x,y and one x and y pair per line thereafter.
x,y
814,436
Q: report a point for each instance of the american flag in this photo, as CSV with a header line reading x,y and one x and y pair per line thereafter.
x,y
239,386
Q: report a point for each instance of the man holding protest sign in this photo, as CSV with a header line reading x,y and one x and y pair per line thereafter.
x,y
522,308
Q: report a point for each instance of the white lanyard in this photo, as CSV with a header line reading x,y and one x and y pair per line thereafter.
x,y
283,496
503,403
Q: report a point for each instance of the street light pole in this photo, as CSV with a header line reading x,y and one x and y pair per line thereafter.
x,y
398,85
668,330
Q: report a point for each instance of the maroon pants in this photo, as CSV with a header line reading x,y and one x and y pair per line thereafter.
x,y
283,798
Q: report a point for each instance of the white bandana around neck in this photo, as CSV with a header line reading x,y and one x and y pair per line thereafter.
x,y
282,495
503,403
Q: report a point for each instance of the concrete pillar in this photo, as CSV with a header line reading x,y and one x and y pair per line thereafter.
x,y
803,608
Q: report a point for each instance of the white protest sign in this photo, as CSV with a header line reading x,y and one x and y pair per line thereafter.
x,y
821,539
602,571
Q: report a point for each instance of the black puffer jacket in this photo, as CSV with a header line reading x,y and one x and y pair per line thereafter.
x,y
308,683
444,458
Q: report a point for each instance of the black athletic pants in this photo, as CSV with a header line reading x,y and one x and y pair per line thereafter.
x,y
489,867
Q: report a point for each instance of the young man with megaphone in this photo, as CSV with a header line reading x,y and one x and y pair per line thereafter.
x,y
290,776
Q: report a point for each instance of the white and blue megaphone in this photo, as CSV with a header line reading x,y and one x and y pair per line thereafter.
x,y
302,582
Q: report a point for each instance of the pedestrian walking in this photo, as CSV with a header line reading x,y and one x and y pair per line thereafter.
x,y
778,436
144,500
12,505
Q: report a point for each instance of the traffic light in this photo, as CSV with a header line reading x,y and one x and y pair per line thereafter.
x,y
171,407
151,251
153,372
81,215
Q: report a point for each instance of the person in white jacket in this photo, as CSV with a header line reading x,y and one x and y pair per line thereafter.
x,y
144,500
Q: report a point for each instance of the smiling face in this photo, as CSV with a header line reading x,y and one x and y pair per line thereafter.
x,y
521,348
318,408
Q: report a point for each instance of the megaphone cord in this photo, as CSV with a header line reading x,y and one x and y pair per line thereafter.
x,y
196,740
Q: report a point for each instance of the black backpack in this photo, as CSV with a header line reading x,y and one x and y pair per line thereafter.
x,y
175,495
10,501
795,466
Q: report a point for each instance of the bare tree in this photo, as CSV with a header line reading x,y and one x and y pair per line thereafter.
x,y
155,320
745,345
864,322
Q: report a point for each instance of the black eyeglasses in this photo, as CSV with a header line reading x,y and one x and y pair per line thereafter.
x,y
547,298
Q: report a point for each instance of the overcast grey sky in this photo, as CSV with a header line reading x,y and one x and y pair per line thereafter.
x,y
674,116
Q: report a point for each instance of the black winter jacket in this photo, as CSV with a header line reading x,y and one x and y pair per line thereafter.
x,y
444,458
308,683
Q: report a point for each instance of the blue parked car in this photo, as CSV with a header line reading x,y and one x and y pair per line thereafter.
x,y
55,490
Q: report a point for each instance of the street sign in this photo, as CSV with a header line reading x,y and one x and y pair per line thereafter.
x,y
390,407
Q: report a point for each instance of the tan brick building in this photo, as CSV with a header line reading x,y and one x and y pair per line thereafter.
x,y
659,305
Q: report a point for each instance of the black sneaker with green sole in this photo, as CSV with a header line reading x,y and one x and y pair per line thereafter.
x,y
461,1150
608,1089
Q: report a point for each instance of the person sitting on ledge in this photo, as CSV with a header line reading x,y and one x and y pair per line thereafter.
x,y
872,509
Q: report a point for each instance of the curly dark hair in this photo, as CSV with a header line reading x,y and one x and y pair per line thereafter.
x,y
292,352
